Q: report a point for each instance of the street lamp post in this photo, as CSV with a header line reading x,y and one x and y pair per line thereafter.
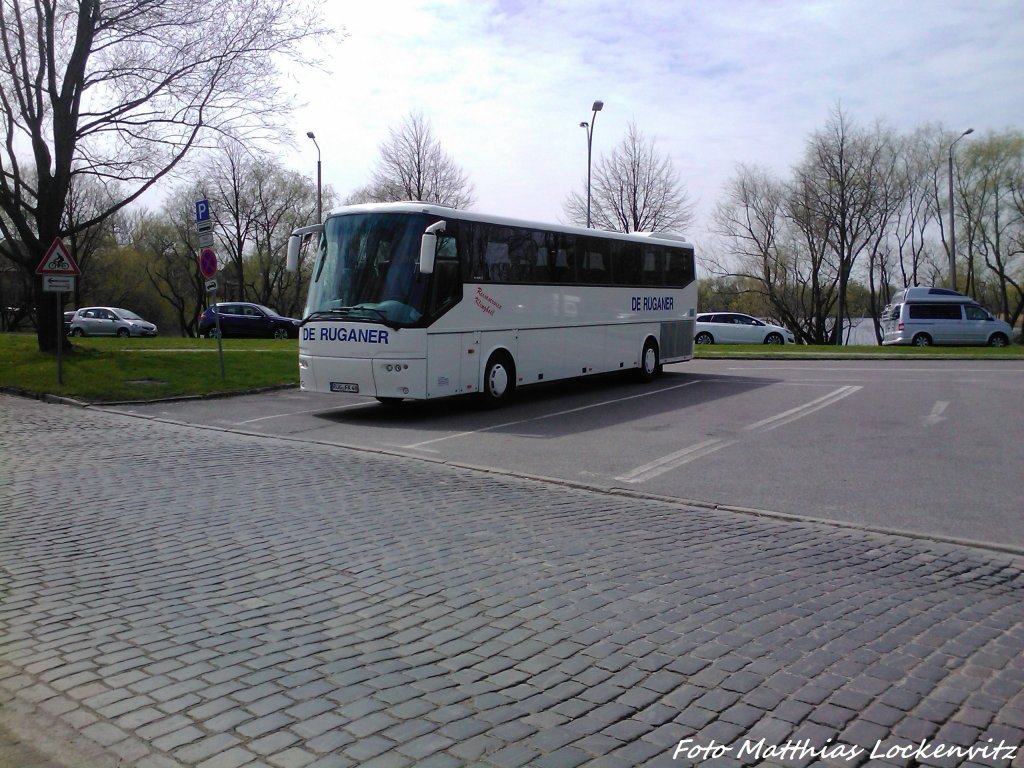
x,y
319,196
952,224
598,106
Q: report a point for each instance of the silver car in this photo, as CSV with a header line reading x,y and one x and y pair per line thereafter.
x,y
943,320
737,328
109,321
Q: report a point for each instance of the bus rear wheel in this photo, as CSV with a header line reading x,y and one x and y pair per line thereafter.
x,y
499,380
649,364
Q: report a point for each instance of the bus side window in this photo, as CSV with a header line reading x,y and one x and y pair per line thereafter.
x,y
447,284
564,270
652,272
594,268
679,272
625,263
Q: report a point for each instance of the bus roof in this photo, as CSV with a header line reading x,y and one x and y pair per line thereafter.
x,y
440,210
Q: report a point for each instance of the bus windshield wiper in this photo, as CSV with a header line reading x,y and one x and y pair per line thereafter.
x,y
320,314
379,313
347,313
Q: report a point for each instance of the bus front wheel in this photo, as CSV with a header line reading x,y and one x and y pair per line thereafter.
x,y
499,380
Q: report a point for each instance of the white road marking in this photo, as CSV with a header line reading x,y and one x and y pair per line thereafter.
x,y
803,410
674,460
936,415
548,415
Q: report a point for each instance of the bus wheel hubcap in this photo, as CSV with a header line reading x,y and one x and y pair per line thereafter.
x,y
499,380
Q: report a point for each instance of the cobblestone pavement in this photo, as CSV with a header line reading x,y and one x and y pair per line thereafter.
x,y
178,596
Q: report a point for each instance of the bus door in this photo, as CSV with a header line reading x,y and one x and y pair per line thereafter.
x,y
453,363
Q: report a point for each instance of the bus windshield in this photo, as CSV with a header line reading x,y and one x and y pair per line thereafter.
x,y
367,269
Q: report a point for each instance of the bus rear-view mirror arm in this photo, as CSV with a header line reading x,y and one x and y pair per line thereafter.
x,y
428,247
295,243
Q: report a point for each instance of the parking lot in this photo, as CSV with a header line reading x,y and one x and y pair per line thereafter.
x,y
924,446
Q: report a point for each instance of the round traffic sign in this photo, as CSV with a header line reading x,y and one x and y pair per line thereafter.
x,y
208,262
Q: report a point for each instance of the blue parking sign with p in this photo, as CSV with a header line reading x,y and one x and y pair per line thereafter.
x,y
202,210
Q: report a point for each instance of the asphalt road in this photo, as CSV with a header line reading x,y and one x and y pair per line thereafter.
x,y
931,447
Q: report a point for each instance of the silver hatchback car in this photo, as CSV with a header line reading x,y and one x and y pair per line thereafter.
x,y
109,321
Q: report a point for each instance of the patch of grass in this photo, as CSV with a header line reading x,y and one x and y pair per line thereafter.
x,y
109,369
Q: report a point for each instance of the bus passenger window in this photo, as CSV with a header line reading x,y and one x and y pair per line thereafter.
x,y
653,272
625,263
594,267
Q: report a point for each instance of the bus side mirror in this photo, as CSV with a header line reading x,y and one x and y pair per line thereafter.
x,y
295,241
428,247
292,261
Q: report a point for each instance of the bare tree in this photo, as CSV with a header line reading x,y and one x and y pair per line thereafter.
x,y
842,182
123,90
994,220
634,189
413,166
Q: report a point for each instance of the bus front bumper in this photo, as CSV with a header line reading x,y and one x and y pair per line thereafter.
x,y
365,377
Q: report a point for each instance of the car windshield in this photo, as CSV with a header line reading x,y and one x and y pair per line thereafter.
x,y
126,315
367,269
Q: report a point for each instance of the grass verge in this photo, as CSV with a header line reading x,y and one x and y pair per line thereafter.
x,y
114,370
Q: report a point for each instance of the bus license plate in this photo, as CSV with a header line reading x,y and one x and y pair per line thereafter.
x,y
338,386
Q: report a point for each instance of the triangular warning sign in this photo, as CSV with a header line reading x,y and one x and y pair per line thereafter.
x,y
58,261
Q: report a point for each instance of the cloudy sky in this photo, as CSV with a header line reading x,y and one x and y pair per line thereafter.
x,y
505,84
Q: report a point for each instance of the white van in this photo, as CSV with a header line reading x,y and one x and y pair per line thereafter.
x,y
926,316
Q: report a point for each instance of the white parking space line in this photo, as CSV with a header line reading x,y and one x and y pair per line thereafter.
x,y
673,460
677,459
548,415
802,410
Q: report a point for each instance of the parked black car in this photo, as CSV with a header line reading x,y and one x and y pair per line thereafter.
x,y
242,318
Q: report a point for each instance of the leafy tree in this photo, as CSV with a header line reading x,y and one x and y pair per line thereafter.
x,y
634,189
413,166
123,91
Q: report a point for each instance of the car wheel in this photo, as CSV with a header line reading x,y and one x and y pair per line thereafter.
x,y
280,332
649,365
499,380
123,333
77,332
212,333
704,338
773,338
922,340
998,340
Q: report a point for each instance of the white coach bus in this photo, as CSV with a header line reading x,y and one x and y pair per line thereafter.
x,y
417,301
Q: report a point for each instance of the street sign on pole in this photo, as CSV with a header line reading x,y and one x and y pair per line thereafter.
x,y
58,283
211,286
202,210
207,262
58,261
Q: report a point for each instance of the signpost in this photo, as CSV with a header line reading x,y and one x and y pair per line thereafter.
x,y
58,271
208,266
